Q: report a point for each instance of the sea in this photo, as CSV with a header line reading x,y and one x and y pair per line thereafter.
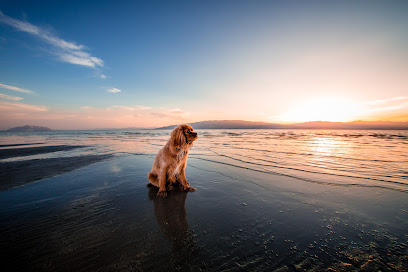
x,y
366,158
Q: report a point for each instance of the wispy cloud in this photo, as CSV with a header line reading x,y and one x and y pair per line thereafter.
x,y
400,106
69,52
21,107
175,114
14,88
176,111
114,90
384,101
123,112
387,107
9,97
120,107
80,58
142,107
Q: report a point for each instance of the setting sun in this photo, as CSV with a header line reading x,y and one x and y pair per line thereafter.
x,y
322,109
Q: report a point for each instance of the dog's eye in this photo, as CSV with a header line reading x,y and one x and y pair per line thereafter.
x,y
188,131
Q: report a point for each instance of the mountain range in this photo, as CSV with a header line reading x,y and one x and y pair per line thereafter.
x,y
28,128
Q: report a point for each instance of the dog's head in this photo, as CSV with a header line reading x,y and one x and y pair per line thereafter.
x,y
183,134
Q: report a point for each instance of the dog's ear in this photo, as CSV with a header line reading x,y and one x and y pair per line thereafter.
x,y
177,137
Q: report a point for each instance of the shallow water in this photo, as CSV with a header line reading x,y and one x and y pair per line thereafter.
x,y
340,157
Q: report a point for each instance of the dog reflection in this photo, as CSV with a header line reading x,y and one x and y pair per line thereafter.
x,y
171,216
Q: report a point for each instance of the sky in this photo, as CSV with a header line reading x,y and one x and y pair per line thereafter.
x,y
120,64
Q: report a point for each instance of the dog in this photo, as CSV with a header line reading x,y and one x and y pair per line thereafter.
x,y
170,162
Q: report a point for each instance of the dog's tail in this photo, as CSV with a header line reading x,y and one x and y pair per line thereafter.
x,y
153,179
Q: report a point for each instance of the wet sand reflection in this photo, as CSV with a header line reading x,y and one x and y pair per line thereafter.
x,y
171,214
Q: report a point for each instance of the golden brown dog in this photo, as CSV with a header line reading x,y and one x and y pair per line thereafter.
x,y
170,162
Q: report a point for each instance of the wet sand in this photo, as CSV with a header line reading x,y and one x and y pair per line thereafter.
x,y
102,217
13,174
20,172
28,151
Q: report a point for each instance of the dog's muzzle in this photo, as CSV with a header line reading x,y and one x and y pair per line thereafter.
x,y
193,134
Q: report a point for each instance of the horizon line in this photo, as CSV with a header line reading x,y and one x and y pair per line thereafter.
x,y
377,122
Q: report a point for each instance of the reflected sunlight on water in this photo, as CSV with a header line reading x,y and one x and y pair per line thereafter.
x,y
369,158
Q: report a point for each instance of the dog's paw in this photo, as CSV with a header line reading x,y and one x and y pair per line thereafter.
x,y
162,194
190,189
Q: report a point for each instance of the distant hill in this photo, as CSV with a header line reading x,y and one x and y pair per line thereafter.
x,y
240,124
28,128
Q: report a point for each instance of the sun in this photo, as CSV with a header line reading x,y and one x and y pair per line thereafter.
x,y
330,109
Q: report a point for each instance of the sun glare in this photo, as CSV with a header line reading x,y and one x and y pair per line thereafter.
x,y
323,109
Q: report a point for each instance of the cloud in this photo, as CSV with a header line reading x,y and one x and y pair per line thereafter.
x,y
65,51
9,97
142,107
124,113
125,108
79,58
175,114
19,25
390,107
158,115
114,90
386,109
384,101
17,89
8,106
390,104
103,76
176,111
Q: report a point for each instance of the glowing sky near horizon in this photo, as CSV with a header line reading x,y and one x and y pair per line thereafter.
x,y
104,64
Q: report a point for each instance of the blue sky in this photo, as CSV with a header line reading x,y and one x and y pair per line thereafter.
x,y
93,64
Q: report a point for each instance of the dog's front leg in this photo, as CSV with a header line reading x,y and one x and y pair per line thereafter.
x,y
162,183
171,179
184,181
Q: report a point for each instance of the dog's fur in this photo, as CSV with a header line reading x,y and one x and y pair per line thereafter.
x,y
170,162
